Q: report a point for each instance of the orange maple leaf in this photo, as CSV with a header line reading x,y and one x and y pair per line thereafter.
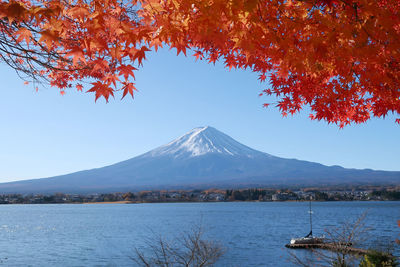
x,y
48,37
79,11
126,71
79,87
101,90
140,54
111,78
181,48
15,11
128,88
198,55
77,55
24,34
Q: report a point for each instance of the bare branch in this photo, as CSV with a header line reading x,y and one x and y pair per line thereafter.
x,y
189,250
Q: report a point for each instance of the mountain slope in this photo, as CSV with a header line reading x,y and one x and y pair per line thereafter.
x,y
203,157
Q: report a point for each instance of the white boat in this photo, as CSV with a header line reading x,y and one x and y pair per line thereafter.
x,y
308,239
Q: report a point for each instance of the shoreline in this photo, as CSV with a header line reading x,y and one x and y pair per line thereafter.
x,y
105,202
209,195
174,202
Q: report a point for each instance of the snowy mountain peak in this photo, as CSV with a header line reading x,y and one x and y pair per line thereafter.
x,y
201,141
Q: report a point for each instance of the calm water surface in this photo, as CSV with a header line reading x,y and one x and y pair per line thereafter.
x,y
253,233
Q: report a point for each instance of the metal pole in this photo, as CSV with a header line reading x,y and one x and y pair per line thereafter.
x,y
310,218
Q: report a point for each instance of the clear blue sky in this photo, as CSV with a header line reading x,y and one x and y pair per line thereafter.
x,y
45,134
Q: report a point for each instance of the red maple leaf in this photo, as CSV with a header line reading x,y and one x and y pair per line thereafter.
x,y
128,88
126,71
101,90
262,77
79,87
24,34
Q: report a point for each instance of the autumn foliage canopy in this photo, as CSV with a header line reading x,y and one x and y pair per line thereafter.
x,y
341,58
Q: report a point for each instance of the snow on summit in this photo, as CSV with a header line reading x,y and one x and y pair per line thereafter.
x,y
201,141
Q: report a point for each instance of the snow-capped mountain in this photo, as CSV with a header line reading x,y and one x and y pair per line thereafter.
x,y
202,158
201,141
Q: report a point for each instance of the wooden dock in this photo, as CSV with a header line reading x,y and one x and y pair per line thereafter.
x,y
330,246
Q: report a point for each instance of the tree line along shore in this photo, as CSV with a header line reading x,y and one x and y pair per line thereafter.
x,y
211,195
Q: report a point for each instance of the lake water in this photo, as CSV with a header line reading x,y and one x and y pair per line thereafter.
x,y
253,233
